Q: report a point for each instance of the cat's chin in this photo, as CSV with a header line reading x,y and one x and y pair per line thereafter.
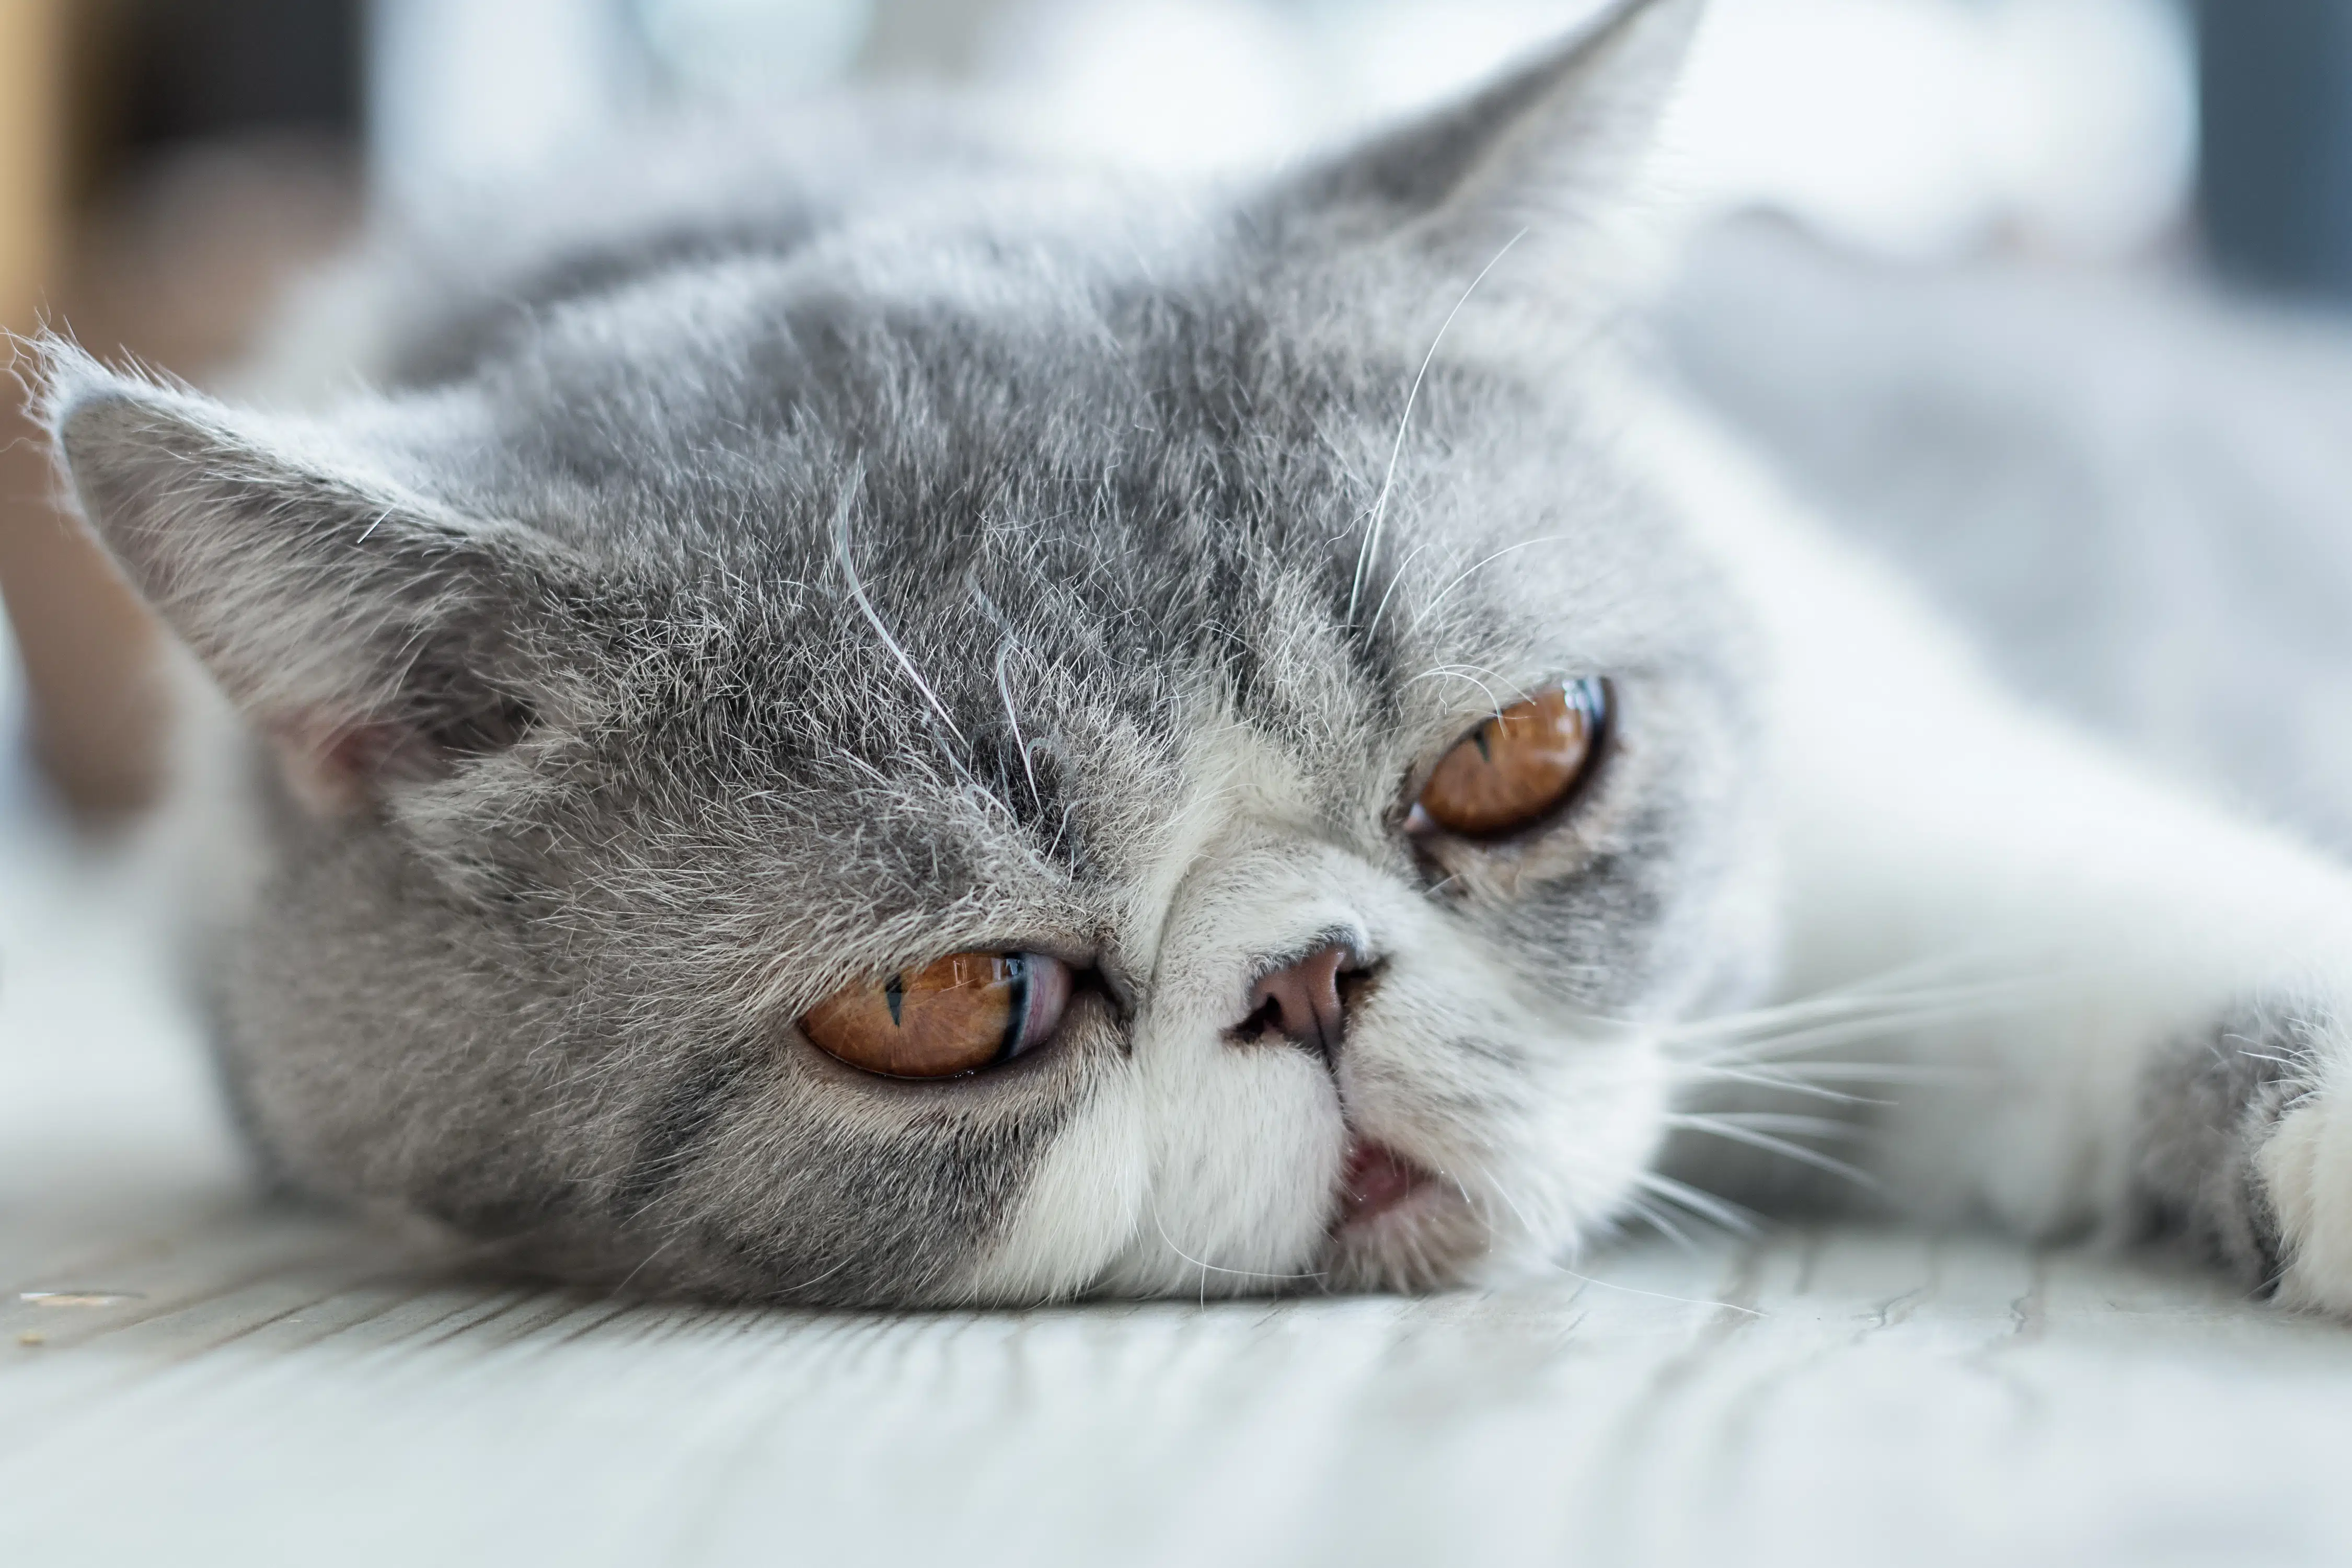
x,y
1400,1226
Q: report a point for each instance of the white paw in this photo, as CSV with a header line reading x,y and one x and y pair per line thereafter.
x,y
2308,1168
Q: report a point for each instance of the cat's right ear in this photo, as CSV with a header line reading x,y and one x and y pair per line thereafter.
x,y
1546,153
373,633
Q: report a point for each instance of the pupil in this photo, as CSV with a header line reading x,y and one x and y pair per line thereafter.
x,y
1016,975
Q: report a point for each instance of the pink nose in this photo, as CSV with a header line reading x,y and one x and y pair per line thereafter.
x,y
1303,1000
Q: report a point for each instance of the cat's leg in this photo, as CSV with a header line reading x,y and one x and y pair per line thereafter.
x,y
2137,1006
2142,1006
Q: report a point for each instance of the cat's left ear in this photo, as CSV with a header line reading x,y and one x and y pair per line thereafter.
x,y
376,634
1546,151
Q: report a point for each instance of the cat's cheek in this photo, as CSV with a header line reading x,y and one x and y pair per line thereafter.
x,y
1080,1206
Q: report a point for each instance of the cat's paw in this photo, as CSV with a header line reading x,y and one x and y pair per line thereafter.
x,y
2247,1148
2306,1167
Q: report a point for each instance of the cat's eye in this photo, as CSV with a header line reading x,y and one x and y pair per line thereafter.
x,y
1519,766
966,1012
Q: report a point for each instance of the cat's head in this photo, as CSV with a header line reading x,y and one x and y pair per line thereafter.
x,y
1031,743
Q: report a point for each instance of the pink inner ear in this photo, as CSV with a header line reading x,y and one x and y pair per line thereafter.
x,y
331,768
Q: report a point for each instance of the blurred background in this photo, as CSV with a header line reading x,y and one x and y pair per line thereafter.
x,y
166,165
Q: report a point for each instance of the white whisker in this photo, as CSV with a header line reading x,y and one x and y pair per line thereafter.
x,y
1733,1133
1004,691
841,513
1796,1126
1460,672
1704,1204
1767,1079
1852,1008
1208,1268
1664,1186
1395,578
1653,1295
1370,549
1658,1222
1430,609
1853,1072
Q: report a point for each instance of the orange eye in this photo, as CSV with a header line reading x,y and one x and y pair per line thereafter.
x,y
966,1012
1515,768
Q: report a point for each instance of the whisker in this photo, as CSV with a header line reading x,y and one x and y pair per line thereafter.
x,y
1396,579
1009,641
644,1263
1766,1079
1704,1204
1850,1008
1651,1217
1472,1199
1369,550
841,513
1469,672
1004,691
1733,1133
1820,1036
1430,609
1559,1268
1653,1295
1208,1268
1782,1073
1780,1121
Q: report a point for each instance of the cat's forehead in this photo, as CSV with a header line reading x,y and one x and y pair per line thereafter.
x,y
1105,407
1051,497
985,354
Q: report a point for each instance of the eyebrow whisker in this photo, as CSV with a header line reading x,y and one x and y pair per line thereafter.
x,y
1370,548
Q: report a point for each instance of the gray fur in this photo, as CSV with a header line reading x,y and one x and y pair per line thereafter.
x,y
2208,1106
2128,489
809,579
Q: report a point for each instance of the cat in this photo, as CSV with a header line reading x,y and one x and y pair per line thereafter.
x,y
857,720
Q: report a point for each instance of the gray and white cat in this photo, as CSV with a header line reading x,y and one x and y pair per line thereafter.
x,y
865,721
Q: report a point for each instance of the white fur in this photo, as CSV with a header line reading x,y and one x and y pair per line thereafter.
x,y
1219,1162
1927,817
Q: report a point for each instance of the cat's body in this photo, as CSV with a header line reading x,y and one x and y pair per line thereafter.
x,y
736,607
2126,490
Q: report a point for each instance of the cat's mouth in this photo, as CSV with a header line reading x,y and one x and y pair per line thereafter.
x,y
1400,1226
1377,1181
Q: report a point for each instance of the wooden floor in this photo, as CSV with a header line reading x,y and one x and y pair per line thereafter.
x,y
185,1378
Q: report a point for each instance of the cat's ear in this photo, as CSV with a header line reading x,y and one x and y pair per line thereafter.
x,y
1547,151
371,631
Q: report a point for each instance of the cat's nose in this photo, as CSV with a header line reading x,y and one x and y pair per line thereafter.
x,y
1301,1001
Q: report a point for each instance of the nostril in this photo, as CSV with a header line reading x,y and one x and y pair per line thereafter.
x,y
1267,1016
1302,1001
